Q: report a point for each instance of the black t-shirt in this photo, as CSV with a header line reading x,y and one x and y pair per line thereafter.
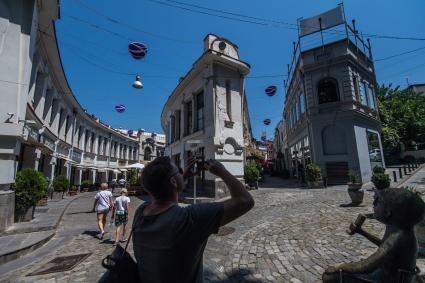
x,y
169,246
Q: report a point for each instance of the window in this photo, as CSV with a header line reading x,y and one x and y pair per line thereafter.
x,y
86,140
147,154
297,109
374,149
66,125
99,145
80,133
302,103
172,128
327,90
371,98
53,112
228,100
105,142
92,143
188,118
200,111
178,124
363,95
60,120
356,88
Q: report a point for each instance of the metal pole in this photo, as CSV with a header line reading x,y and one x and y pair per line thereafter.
x,y
395,176
399,173
405,170
194,185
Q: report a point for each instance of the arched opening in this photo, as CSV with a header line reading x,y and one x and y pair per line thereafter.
x,y
327,90
147,154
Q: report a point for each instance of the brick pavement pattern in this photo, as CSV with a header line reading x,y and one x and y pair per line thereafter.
x,y
290,235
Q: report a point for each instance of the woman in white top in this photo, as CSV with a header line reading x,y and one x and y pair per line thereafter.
x,y
121,211
102,203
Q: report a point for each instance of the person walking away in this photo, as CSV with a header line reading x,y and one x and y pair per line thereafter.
x,y
102,204
169,240
120,213
113,185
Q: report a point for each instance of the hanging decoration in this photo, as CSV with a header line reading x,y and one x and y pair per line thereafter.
x,y
264,138
267,122
271,90
120,108
137,49
130,132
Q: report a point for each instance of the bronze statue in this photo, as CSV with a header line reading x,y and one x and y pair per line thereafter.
x,y
395,259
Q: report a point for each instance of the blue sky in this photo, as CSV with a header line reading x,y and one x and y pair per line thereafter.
x,y
97,64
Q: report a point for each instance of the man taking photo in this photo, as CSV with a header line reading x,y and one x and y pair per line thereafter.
x,y
169,240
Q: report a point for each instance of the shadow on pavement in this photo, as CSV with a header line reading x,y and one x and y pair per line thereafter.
x,y
91,233
241,275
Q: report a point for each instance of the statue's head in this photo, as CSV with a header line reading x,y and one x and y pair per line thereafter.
x,y
399,207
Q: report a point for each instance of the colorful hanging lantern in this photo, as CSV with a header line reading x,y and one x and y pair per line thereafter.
x,y
267,122
130,132
120,108
271,90
137,49
263,138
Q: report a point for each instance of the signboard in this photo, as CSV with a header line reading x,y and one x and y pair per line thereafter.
x,y
322,21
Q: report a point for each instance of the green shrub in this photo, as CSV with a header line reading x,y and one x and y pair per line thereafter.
x,y
378,170
381,181
251,172
354,177
86,184
30,186
312,172
60,183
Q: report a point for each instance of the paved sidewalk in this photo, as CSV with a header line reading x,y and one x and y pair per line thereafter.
x,y
24,237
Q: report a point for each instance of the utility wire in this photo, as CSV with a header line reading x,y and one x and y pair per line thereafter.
x,y
130,26
400,54
260,21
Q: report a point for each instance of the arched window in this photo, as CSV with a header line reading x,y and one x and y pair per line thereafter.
x,y
327,90
147,155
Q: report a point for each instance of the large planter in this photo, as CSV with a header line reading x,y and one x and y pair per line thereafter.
x,y
253,185
42,201
85,190
23,216
56,195
72,193
314,185
356,194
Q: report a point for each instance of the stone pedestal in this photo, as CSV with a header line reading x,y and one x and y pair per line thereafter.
x,y
7,209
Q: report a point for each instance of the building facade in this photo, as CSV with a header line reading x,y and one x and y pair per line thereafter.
x,y
151,145
330,108
42,124
206,114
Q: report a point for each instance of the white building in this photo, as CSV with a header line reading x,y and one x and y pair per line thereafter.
x,y
42,125
207,115
151,145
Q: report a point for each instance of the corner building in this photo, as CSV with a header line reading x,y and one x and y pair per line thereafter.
x,y
207,115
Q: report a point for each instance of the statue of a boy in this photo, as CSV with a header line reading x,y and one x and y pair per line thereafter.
x,y
395,259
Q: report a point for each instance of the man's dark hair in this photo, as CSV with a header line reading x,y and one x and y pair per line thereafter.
x,y
407,208
155,177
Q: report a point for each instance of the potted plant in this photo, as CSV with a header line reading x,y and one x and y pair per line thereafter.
x,y
354,188
30,186
60,184
85,185
381,181
312,175
73,191
251,174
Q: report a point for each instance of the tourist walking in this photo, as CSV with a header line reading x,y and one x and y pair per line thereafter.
x,y
169,240
102,204
120,214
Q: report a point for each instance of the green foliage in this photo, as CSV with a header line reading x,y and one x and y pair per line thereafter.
x,y
60,183
354,176
86,184
402,113
251,172
73,189
312,172
30,186
133,177
381,181
378,170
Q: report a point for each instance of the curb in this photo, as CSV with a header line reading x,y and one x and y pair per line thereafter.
x,y
398,185
23,251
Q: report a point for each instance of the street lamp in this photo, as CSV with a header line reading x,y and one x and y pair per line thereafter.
x,y
137,83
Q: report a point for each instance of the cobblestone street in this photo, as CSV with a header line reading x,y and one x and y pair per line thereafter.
x,y
291,235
